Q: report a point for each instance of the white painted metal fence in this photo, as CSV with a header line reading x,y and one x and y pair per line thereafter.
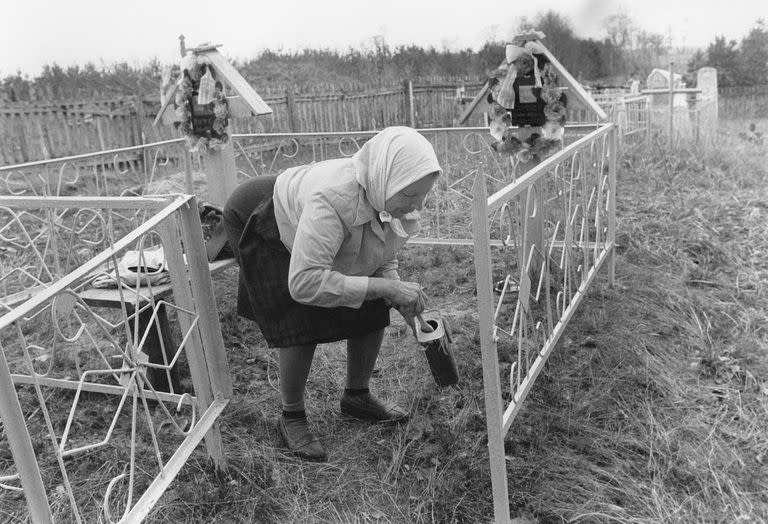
x,y
56,339
554,227
558,229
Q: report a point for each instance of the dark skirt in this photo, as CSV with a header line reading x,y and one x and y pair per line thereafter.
x,y
263,296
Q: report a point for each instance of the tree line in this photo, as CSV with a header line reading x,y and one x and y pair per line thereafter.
x,y
742,63
625,50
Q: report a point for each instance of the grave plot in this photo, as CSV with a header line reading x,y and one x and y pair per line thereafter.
x,y
539,240
109,335
557,228
94,402
555,223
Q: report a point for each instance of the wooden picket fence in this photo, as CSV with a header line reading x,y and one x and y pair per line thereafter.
x,y
743,102
40,131
31,131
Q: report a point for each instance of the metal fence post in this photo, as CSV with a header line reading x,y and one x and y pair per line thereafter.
x,y
21,447
494,414
670,139
611,240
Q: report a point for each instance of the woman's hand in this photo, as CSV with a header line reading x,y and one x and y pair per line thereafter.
x,y
410,322
408,297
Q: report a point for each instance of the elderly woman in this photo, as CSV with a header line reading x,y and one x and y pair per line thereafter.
x,y
317,248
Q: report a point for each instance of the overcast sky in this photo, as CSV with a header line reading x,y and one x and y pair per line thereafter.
x,y
38,32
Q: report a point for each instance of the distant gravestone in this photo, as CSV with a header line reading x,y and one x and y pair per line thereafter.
x,y
657,79
706,80
658,83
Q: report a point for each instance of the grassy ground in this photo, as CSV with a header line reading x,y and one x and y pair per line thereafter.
x,y
736,126
652,409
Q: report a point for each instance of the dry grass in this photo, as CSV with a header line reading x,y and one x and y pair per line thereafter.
x,y
652,409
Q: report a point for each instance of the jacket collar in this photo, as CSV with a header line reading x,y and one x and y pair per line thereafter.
x,y
364,213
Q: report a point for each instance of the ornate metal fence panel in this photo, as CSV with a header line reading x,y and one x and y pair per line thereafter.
x,y
151,169
463,153
692,118
79,396
632,115
556,225
551,230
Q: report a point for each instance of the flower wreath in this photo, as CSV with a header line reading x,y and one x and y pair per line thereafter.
x,y
216,135
522,61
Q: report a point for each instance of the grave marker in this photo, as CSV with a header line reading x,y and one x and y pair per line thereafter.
x,y
241,101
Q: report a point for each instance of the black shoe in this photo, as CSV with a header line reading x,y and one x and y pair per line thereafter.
x,y
368,407
300,440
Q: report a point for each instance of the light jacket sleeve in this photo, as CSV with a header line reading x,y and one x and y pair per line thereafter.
x,y
388,270
311,279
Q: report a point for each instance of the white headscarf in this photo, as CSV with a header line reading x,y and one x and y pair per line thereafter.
x,y
391,161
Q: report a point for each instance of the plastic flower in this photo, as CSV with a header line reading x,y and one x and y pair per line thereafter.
x,y
551,95
555,111
510,137
524,155
496,111
549,75
220,110
218,126
524,64
544,147
552,130
497,129
509,145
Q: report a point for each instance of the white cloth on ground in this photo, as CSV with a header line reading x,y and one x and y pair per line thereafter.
x,y
147,267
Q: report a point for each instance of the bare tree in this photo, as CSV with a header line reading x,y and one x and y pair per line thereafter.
x,y
619,27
